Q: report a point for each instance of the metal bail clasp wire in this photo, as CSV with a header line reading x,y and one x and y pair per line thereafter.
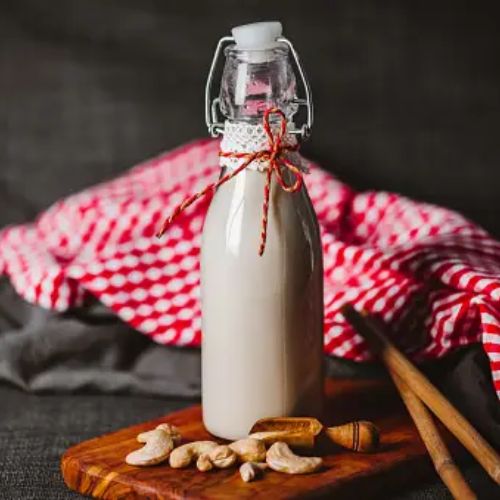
x,y
212,119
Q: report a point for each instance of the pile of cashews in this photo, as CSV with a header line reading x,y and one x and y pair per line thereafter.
x,y
163,443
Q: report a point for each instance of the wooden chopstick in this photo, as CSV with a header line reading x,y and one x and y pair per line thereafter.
x,y
438,452
421,386
440,456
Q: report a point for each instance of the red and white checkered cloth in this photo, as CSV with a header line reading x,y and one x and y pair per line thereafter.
x,y
380,250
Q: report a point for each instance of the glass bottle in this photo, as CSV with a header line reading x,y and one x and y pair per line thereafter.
x,y
262,315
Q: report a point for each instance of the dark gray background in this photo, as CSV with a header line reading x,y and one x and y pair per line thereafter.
x,y
407,93
407,99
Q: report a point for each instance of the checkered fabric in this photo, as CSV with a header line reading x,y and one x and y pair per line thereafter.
x,y
382,252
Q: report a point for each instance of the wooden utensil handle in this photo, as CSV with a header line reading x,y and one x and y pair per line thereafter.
x,y
443,463
360,436
421,386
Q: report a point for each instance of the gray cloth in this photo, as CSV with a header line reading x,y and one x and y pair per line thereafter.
x,y
87,351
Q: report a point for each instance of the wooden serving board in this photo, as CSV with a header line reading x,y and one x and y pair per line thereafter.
x,y
97,467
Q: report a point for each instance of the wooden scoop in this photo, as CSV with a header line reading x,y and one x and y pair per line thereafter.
x,y
360,436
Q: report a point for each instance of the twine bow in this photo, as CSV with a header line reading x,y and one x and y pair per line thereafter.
x,y
274,155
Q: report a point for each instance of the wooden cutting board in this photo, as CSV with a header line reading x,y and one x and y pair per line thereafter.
x,y
97,468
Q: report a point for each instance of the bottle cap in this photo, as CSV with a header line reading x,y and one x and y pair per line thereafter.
x,y
257,36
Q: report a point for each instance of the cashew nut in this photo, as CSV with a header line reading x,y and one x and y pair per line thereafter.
x,y
158,446
281,459
204,463
223,456
171,430
250,470
185,454
249,450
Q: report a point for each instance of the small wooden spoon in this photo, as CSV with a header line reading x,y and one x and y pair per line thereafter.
x,y
360,435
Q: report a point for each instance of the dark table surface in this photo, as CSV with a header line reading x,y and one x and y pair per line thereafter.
x,y
36,430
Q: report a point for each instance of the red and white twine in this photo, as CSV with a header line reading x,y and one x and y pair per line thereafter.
x,y
274,156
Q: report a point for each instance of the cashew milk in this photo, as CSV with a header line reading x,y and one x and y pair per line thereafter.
x,y
262,315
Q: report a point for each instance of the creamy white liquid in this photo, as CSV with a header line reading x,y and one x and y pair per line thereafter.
x,y
262,317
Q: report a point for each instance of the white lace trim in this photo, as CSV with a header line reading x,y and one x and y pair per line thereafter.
x,y
245,138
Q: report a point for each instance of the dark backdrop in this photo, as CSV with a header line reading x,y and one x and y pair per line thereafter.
x,y
407,96
407,93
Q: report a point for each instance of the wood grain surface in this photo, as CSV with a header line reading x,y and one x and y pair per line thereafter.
x,y
97,467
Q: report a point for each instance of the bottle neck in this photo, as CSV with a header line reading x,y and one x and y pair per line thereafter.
x,y
254,81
